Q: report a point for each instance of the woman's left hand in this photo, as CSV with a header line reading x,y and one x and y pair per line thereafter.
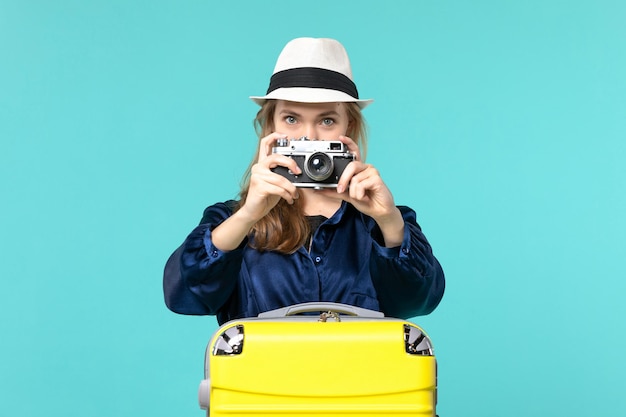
x,y
362,186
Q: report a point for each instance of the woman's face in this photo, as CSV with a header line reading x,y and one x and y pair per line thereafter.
x,y
322,121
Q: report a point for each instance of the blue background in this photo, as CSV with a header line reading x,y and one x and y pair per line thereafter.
x,y
502,123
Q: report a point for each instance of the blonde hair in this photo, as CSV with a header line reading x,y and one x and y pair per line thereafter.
x,y
285,228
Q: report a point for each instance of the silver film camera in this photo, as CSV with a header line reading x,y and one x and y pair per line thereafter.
x,y
322,161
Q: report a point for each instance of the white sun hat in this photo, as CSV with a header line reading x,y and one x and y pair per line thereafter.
x,y
313,70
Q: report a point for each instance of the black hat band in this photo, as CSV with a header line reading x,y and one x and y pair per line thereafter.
x,y
310,77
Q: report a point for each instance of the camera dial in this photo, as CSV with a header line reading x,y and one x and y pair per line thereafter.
x,y
282,142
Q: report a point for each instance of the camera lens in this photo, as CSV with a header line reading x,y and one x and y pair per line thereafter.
x,y
319,166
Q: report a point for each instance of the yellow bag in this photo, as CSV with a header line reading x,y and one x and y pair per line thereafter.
x,y
342,361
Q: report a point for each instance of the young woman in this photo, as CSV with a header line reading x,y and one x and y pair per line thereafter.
x,y
281,244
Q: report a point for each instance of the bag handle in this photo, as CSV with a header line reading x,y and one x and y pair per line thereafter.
x,y
321,306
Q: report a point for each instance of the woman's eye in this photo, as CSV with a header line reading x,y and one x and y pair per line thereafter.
x,y
290,120
327,122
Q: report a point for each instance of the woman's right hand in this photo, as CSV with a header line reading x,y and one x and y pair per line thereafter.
x,y
265,191
266,187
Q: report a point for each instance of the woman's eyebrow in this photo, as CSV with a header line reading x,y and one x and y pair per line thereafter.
x,y
295,114
289,112
329,113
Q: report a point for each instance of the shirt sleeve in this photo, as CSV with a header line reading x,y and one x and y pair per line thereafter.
x,y
199,278
408,279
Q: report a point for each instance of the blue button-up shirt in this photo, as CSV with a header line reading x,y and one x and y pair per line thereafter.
x,y
347,263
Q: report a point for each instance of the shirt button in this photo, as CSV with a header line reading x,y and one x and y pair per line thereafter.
x,y
318,259
405,250
214,254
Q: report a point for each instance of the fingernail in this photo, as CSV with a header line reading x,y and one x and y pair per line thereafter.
x,y
340,189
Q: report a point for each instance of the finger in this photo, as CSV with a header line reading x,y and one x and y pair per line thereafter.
x,y
264,170
360,188
266,183
352,169
267,144
365,181
275,160
285,194
352,146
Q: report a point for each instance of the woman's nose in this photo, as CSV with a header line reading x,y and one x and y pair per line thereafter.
x,y
310,132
